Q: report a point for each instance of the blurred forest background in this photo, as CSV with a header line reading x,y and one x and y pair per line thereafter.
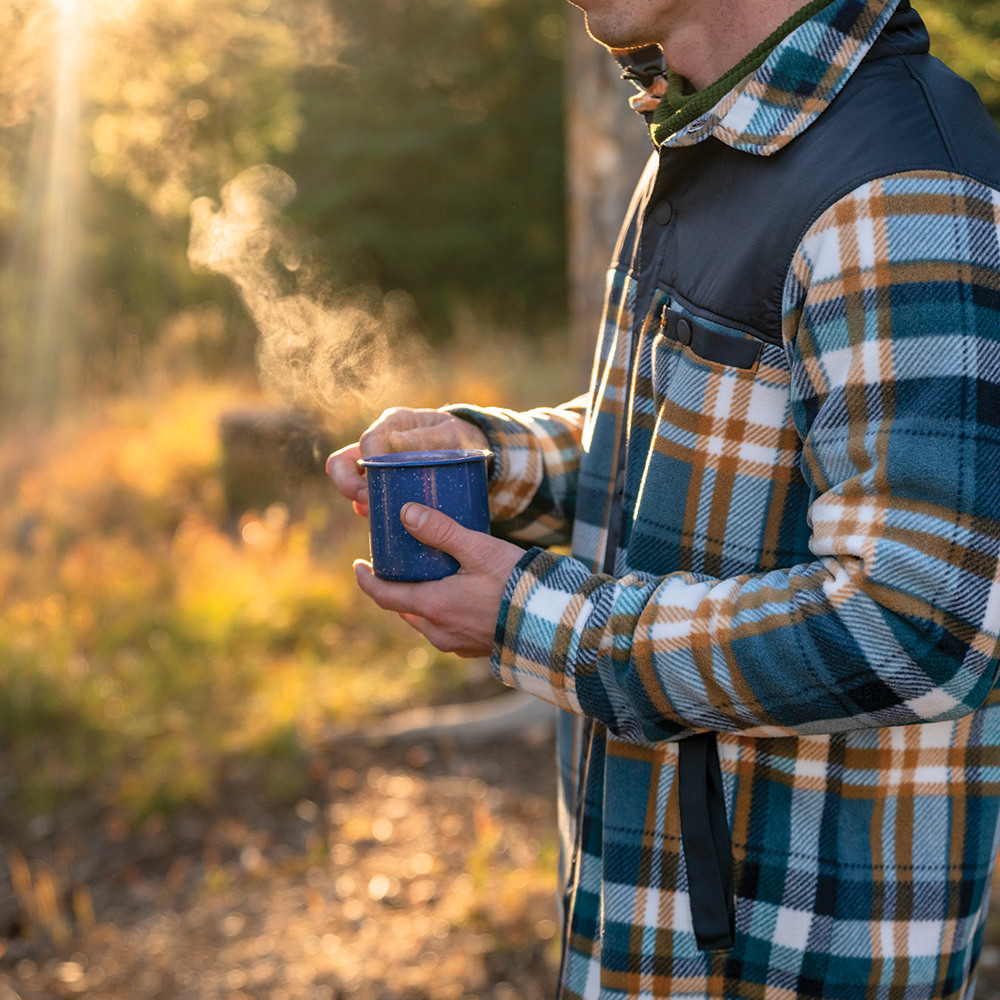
x,y
425,138
174,645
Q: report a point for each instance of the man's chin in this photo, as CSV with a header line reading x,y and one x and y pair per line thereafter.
x,y
607,32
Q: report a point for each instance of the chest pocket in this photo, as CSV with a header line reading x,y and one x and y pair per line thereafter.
x,y
719,489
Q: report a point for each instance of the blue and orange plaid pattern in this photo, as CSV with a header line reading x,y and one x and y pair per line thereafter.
x,y
834,509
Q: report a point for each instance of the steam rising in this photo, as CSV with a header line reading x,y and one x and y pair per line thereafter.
x,y
313,351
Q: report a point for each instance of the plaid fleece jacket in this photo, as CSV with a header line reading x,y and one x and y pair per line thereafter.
x,y
808,567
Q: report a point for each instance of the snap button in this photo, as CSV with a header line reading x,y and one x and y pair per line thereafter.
x,y
684,332
663,212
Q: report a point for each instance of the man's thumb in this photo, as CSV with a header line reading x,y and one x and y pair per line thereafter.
x,y
436,529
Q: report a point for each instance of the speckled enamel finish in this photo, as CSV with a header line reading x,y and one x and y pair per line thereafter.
x,y
450,481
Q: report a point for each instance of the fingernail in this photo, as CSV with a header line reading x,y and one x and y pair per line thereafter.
x,y
327,466
413,515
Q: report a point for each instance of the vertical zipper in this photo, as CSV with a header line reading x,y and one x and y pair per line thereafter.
x,y
610,557
588,725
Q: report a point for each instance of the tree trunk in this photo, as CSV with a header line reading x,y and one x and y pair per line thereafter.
x,y
607,145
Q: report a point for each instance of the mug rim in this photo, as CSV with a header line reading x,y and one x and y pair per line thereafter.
x,y
442,456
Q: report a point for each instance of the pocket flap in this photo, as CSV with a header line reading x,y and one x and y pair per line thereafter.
x,y
737,352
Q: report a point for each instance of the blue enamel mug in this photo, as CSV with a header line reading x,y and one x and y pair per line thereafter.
x,y
450,481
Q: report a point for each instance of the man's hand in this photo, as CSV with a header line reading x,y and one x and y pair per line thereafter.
x,y
399,429
457,614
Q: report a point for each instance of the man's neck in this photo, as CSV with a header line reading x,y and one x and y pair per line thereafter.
x,y
719,33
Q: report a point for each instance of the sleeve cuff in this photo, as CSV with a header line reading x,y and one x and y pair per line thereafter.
x,y
508,594
518,466
536,643
475,416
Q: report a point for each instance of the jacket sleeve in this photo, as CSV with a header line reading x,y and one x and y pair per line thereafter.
x,y
536,455
892,332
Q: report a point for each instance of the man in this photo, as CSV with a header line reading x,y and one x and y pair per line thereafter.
x,y
777,641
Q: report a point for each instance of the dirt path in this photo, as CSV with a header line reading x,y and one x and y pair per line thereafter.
x,y
415,871
420,871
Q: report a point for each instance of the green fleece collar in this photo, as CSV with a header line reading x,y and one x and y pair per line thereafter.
x,y
682,104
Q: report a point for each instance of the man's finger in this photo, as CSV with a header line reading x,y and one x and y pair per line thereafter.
x,y
413,602
445,433
405,441
342,468
400,429
379,439
433,437
375,442
402,598
422,625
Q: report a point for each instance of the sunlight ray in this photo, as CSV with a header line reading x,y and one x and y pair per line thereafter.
x,y
59,244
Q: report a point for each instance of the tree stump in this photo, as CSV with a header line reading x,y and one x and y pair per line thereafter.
x,y
267,456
